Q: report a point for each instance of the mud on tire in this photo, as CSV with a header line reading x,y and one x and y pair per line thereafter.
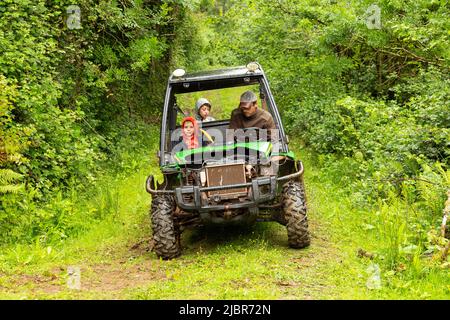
x,y
165,233
294,210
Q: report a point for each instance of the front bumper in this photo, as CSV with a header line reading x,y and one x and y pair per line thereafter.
x,y
256,196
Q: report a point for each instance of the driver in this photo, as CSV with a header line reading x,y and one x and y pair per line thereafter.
x,y
248,114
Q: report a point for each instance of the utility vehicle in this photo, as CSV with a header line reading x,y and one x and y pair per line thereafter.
x,y
240,176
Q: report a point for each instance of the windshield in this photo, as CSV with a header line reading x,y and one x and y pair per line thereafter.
x,y
211,110
198,119
222,102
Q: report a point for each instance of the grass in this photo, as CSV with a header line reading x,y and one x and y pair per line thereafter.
x,y
226,263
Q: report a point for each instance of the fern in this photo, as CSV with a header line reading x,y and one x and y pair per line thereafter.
x,y
11,188
7,179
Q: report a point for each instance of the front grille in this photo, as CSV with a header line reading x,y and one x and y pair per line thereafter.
x,y
222,175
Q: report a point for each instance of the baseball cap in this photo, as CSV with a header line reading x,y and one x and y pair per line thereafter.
x,y
248,96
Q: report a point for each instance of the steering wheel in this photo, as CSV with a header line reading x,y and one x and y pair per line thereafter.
x,y
207,135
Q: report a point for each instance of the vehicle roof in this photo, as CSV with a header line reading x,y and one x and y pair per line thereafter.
x,y
234,72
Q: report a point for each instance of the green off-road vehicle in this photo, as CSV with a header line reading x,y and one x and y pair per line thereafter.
x,y
237,176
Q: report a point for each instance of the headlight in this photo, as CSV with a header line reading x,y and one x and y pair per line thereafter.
x,y
179,73
253,66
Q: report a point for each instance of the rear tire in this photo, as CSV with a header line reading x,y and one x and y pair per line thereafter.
x,y
294,210
165,232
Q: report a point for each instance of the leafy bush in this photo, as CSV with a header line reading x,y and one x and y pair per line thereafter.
x,y
372,103
66,91
379,96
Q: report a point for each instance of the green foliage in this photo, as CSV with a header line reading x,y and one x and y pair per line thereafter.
x,y
69,95
7,177
75,104
378,96
72,210
371,102
11,143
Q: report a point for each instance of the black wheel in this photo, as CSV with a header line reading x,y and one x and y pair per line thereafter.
x,y
165,233
294,210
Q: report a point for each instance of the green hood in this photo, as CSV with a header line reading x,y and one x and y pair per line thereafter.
x,y
264,148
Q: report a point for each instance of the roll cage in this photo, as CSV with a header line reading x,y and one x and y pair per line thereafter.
x,y
210,80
